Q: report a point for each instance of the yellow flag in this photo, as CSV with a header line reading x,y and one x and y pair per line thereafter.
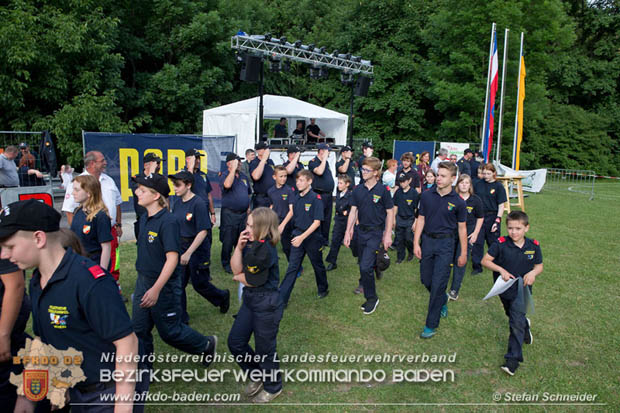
x,y
520,111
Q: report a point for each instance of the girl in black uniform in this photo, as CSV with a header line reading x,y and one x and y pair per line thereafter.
x,y
91,222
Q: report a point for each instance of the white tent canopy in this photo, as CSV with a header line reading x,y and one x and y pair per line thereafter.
x,y
241,119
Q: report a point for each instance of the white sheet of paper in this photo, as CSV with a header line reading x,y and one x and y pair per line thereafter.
x,y
499,287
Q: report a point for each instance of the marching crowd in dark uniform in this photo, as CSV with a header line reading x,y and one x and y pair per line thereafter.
x,y
439,220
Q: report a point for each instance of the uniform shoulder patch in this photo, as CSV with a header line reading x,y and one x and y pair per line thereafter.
x,y
96,271
536,242
501,239
318,196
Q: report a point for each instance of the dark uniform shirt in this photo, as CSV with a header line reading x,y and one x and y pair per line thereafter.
x,y
202,187
322,183
464,166
350,170
266,181
343,204
413,174
80,307
281,199
280,131
442,213
237,197
475,210
192,215
359,166
306,209
515,260
492,195
7,267
372,204
158,235
291,178
94,233
407,203
314,129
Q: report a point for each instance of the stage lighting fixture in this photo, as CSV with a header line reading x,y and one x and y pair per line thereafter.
x,y
335,53
275,64
268,36
322,50
355,59
283,40
297,43
286,66
323,73
346,78
311,47
315,72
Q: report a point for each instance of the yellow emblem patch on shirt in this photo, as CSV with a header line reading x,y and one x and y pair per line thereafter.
x,y
152,236
376,198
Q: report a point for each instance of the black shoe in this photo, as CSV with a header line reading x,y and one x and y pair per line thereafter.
x,y
529,338
399,261
331,267
209,352
476,271
370,306
323,294
510,366
228,270
226,304
409,257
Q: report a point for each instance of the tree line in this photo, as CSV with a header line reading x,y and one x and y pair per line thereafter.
x,y
153,66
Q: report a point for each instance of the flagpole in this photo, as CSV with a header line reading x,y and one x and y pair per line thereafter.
x,y
486,96
514,145
501,99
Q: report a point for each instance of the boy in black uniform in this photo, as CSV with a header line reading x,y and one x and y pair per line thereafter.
x,y
191,212
14,314
292,165
307,239
515,256
372,205
346,165
406,201
281,198
407,161
493,196
442,213
261,169
343,206
323,185
75,303
151,163
202,186
235,207
157,297
367,150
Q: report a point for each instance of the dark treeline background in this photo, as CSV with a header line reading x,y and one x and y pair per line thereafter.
x,y
154,65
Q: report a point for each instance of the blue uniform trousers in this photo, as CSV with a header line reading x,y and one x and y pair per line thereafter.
x,y
368,242
485,235
98,399
437,255
311,246
197,269
340,226
328,203
232,223
165,315
458,273
286,237
404,238
514,307
260,314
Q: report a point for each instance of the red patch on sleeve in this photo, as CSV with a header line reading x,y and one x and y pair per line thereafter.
x,y
318,196
261,241
536,242
501,239
96,271
387,187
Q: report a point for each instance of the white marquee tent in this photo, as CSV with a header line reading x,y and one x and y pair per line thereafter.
x,y
241,119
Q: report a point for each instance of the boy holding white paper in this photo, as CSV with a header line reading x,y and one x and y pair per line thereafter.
x,y
511,257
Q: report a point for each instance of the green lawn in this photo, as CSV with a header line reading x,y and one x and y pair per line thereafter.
x,y
576,340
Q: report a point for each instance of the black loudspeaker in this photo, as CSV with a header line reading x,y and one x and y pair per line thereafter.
x,y
362,85
250,69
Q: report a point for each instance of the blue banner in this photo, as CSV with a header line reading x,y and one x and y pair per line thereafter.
x,y
416,147
124,153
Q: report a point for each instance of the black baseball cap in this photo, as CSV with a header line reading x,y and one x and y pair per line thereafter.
x,y
157,182
28,215
151,157
193,152
232,156
403,176
322,146
383,259
293,149
185,176
367,145
257,261
23,145
466,151
346,148
261,145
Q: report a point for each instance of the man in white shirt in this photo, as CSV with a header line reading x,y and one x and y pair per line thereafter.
x,y
441,156
95,164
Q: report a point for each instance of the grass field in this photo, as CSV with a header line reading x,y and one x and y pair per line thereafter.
x,y
575,326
